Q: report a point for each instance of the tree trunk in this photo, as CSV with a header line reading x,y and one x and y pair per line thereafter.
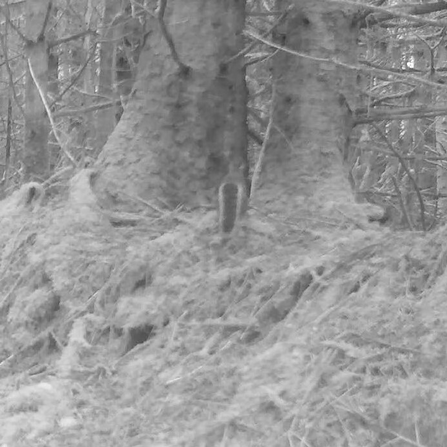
x,y
182,127
441,129
83,135
312,115
105,119
53,93
35,156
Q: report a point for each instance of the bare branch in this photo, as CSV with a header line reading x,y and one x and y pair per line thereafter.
x,y
70,38
45,22
249,47
184,69
405,168
407,77
50,117
5,11
76,77
8,69
392,14
93,108
371,116
258,167
402,204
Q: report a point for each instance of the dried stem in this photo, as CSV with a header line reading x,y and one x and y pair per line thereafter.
x,y
50,116
184,69
258,167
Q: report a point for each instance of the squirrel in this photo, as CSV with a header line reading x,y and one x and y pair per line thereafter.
x,y
233,200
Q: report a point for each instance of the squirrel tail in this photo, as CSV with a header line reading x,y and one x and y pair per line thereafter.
x,y
232,203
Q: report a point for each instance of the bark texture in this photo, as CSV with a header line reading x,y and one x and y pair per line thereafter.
x,y
105,119
180,130
35,155
304,172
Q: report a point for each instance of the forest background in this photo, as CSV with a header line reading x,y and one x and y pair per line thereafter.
x,y
125,319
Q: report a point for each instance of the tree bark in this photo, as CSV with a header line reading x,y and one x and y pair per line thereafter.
x,y
312,115
35,156
105,119
441,129
181,129
53,92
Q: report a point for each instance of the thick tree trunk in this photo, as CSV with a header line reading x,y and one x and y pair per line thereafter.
x,y
180,129
313,96
105,119
35,155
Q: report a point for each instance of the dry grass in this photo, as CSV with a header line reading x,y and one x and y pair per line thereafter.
x,y
309,339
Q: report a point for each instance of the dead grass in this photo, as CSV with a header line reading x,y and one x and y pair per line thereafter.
x,y
140,336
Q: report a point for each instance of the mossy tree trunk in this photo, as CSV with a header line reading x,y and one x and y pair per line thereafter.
x,y
180,129
304,172
35,156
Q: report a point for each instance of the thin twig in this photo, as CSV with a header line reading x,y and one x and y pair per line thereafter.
x,y
402,204
264,14
405,167
45,21
393,14
75,77
8,69
5,11
92,108
371,424
50,117
406,77
259,163
379,114
70,38
249,47
263,58
184,69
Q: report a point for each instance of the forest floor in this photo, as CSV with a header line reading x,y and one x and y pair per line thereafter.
x,y
137,331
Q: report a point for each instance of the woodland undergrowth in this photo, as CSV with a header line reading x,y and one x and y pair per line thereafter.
x,y
150,332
